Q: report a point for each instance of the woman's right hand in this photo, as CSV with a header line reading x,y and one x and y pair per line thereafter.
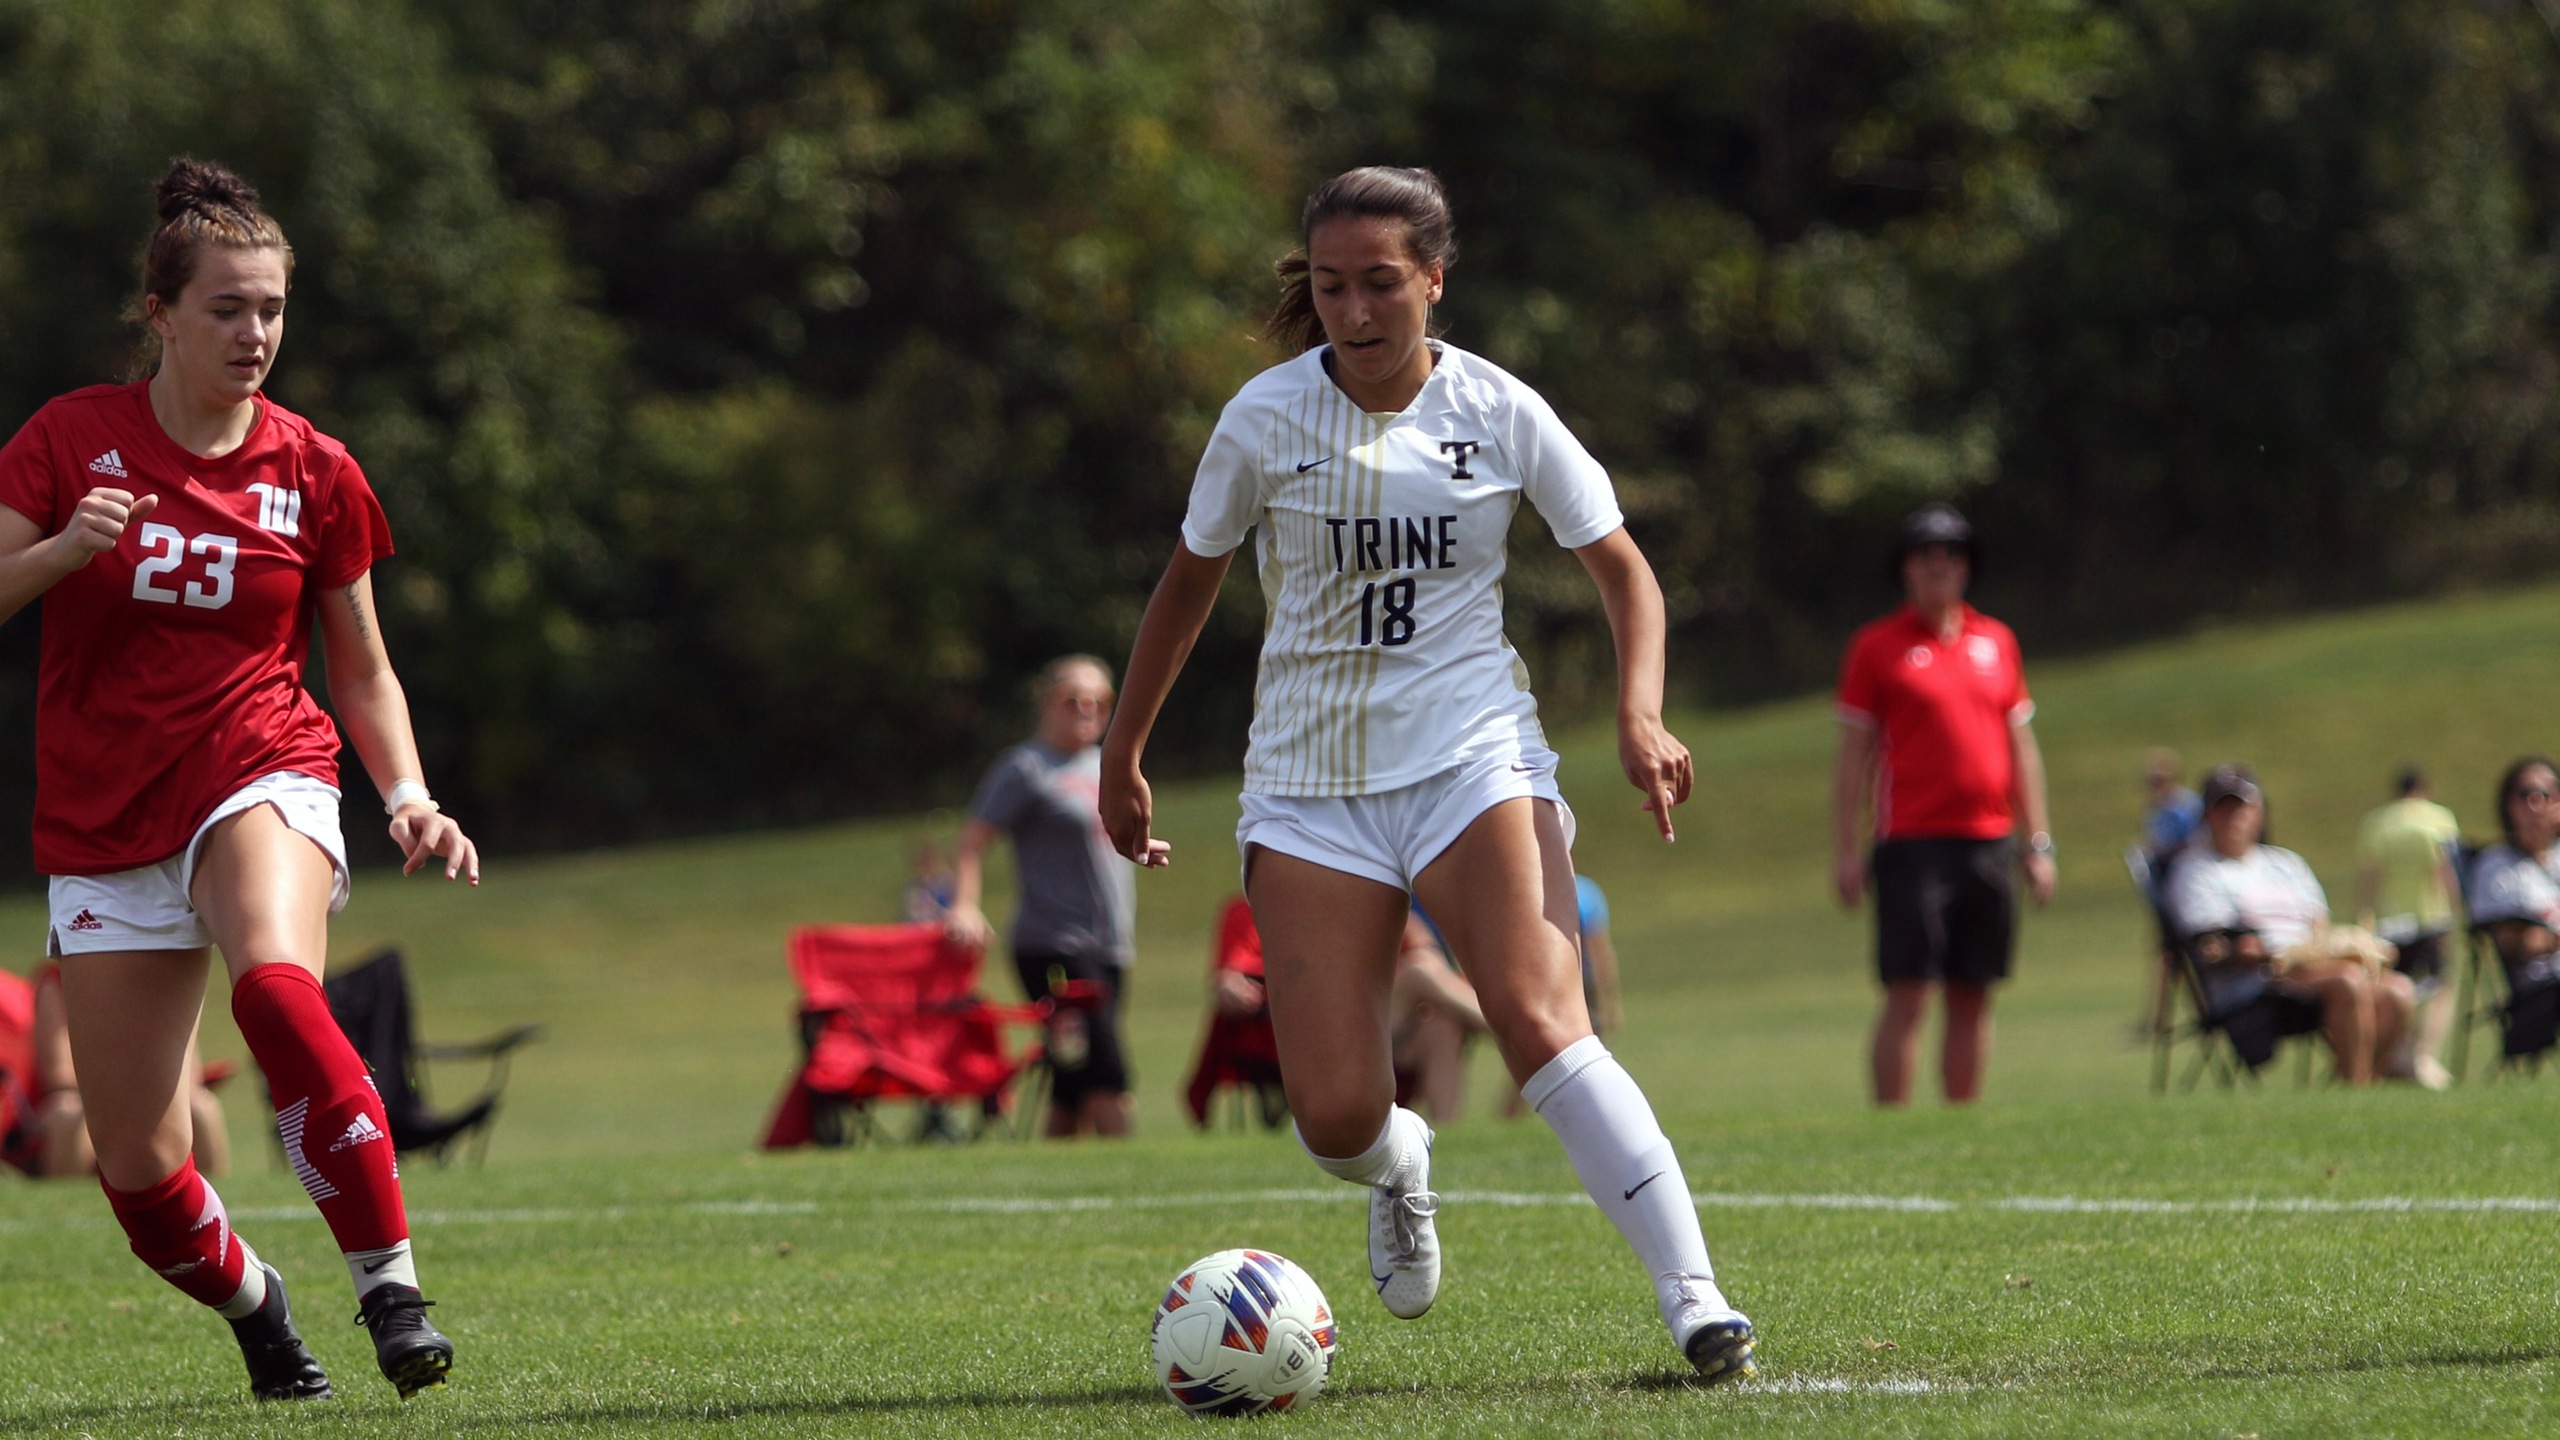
x,y
1128,808
968,925
98,523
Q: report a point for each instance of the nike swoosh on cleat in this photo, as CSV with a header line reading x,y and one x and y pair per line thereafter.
x,y
1649,1179
1382,1279
1310,465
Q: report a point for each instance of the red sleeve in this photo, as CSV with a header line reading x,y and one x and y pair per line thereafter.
x,y
1861,699
27,483
354,534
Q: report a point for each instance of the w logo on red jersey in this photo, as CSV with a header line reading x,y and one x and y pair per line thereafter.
x,y
110,463
279,508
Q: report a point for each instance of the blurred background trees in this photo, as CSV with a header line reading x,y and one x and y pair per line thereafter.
x,y
762,389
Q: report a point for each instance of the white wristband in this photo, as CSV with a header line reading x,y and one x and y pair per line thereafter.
x,y
405,793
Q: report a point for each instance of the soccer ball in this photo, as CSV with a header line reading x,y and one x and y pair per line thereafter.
x,y
1243,1332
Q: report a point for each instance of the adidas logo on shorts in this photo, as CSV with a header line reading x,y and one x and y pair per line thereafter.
x,y
364,1131
111,463
85,921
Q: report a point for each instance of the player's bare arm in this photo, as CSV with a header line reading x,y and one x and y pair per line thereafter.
x,y
1852,777
1657,764
1175,613
31,561
375,713
2029,805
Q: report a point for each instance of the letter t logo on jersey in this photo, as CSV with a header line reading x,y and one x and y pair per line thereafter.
x,y
1461,449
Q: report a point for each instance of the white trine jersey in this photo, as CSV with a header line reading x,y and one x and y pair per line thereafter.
x,y
1381,552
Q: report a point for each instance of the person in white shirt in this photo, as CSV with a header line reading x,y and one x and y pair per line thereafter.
x,y
1395,752
2515,886
2230,882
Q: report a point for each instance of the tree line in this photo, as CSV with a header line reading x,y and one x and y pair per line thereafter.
x,y
762,389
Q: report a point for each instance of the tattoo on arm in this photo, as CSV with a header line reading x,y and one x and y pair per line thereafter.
x,y
355,608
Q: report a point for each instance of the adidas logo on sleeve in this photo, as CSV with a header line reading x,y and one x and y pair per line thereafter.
x,y
111,463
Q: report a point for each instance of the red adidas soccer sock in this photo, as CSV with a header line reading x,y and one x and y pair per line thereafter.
x,y
179,1228
335,1133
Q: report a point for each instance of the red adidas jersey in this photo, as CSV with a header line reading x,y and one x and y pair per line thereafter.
x,y
172,670
1942,710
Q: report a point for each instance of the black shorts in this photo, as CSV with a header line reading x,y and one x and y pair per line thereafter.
x,y
2422,960
1945,909
1085,1054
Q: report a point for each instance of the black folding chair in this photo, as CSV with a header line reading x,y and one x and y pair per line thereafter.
x,y
2521,1002
371,1003
2235,1017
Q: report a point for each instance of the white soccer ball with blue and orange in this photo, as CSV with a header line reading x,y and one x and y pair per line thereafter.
x,y
1243,1332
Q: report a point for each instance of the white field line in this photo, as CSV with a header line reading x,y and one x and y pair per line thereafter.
x,y
1344,1194
1835,1385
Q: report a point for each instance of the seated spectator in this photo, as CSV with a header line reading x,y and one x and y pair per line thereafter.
x,y
1432,1014
2405,888
2170,812
53,1142
2515,896
2261,922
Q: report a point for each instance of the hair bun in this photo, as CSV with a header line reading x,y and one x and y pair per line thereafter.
x,y
198,185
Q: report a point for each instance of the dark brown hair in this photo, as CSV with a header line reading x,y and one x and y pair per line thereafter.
x,y
1378,192
2507,784
201,203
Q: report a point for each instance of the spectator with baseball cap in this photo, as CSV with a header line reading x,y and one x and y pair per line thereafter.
x,y
1934,735
2257,911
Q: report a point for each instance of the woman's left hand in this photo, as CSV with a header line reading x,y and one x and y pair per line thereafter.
x,y
422,834
1657,764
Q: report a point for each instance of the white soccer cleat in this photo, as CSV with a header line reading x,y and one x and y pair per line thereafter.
x,y
1716,1337
1404,1243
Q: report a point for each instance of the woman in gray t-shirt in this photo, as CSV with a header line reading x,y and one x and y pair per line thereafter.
x,y
1074,926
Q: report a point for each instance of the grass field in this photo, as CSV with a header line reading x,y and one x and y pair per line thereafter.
x,y
2074,1256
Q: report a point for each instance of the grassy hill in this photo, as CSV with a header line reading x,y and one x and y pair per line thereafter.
x,y
659,971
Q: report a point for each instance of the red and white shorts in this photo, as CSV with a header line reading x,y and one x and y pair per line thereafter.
x,y
149,907
1392,836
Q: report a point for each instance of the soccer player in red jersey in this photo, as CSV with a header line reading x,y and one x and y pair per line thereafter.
x,y
187,533
1933,714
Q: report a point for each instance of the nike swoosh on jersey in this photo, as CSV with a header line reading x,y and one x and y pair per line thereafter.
x,y
1310,465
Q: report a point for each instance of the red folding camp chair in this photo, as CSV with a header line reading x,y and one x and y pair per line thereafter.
x,y
891,1012
1238,1051
17,1063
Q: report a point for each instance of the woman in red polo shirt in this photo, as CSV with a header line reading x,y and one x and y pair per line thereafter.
x,y
1933,715
186,534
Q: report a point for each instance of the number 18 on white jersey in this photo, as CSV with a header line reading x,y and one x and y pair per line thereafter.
x,y
1381,560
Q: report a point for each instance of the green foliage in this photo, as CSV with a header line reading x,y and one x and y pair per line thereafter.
x,y
762,388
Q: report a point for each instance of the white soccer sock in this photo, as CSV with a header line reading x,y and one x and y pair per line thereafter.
x,y
1626,1163
253,1286
390,1265
1390,1158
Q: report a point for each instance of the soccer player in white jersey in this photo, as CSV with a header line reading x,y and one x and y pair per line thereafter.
x,y
1395,753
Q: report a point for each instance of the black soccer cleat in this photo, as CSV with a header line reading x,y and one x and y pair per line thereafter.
x,y
281,1367
413,1354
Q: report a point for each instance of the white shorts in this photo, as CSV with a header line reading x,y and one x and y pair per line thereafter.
x,y
147,907
1392,836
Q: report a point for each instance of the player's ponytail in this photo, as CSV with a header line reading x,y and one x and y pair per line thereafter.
x,y
1384,192
200,203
